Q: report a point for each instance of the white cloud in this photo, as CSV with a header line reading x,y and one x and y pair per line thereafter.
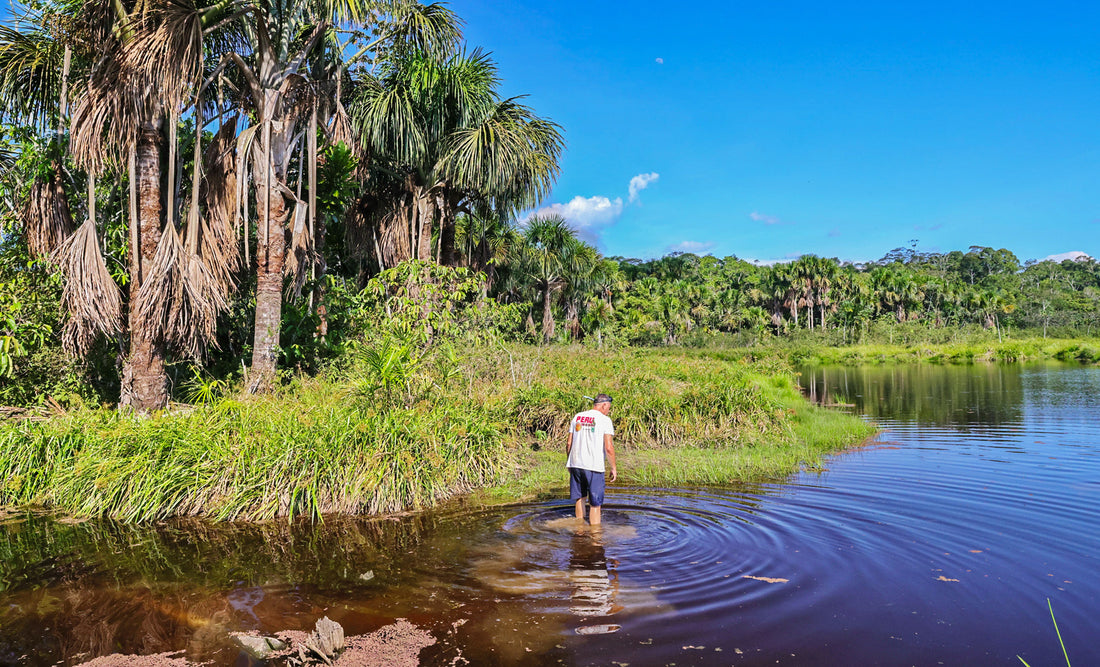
x,y
590,215
766,262
660,61
585,212
694,247
641,182
766,219
1062,256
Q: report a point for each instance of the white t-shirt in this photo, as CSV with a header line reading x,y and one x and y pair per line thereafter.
x,y
588,429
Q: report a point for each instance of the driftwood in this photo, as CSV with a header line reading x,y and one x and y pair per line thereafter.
x,y
51,409
324,644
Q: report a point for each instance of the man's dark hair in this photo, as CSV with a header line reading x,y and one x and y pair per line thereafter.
x,y
602,398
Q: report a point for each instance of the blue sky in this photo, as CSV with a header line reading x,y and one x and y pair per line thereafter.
x,y
772,129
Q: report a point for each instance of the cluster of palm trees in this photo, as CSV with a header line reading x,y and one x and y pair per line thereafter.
x,y
541,263
263,86
659,300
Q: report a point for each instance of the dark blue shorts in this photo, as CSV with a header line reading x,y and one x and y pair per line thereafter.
x,y
586,483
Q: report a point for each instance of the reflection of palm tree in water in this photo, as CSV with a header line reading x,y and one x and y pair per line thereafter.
x,y
594,582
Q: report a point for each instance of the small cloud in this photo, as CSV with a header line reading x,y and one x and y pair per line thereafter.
x,y
585,212
660,61
641,182
834,232
694,247
1062,256
766,262
766,219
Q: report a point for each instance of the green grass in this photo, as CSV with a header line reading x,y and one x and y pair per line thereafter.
x,y
1058,632
682,418
255,459
973,350
365,442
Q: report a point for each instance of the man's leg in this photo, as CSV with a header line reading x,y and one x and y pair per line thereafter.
x,y
595,497
578,490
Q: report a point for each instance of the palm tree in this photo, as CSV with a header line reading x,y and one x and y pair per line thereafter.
x,y
149,73
543,262
292,52
755,319
486,240
448,144
126,82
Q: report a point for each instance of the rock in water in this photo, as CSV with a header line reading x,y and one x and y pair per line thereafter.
x,y
258,647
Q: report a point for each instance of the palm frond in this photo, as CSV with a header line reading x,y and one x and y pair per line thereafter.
x,y
430,28
47,220
302,255
180,298
30,76
90,297
512,155
218,243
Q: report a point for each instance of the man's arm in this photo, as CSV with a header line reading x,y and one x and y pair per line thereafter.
x,y
569,443
609,450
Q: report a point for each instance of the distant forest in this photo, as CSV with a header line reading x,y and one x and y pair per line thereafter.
x,y
663,299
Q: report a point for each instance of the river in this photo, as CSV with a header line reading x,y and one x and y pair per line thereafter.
x,y
940,542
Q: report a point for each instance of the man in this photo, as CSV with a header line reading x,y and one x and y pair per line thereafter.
x,y
589,440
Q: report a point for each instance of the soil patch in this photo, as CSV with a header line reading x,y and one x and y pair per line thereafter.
x,y
395,645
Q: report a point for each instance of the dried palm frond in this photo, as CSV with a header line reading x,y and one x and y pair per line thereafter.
x,y
302,255
218,242
154,72
180,297
47,219
90,296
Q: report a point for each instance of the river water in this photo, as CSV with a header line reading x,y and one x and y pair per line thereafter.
x,y
940,542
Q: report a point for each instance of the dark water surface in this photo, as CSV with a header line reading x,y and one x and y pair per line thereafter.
x,y
938,544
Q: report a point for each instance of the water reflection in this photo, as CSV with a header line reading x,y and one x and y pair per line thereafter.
x,y
594,577
960,396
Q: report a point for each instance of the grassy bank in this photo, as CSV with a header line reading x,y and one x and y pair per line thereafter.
x,y
1007,350
396,430
963,347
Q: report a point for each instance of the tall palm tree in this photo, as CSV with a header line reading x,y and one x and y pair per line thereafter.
x,y
543,262
437,128
291,54
149,73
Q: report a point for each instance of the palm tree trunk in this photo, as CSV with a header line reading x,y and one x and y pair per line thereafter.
x,y
270,258
447,232
547,316
144,380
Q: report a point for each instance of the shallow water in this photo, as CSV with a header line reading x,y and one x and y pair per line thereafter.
x,y
937,544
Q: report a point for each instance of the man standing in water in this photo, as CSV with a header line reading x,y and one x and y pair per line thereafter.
x,y
589,439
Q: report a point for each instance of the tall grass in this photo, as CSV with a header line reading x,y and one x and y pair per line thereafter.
x,y
1010,350
254,459
682,417
397,430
